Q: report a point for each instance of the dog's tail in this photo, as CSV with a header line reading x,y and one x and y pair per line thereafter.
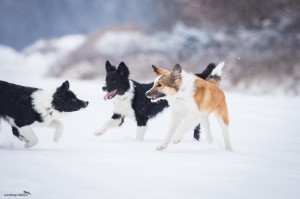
x,y
207,71
215,75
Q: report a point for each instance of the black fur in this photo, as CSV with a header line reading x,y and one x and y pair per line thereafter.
x,y
118,83
207,71
196,132
65,100
143,108
16,104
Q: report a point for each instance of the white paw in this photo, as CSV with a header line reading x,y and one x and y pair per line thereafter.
x,y
57,137
98,133
141,139
161,147
30,144
228,148
176,141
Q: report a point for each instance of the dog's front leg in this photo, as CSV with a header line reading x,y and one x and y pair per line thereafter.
x,y
116,120
186,123
141,127
59,127
30,137
174,122
140,132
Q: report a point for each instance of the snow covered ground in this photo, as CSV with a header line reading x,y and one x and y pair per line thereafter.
x,y
265,162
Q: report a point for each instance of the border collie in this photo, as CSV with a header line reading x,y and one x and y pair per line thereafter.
x,y
130,99
26,107
191,100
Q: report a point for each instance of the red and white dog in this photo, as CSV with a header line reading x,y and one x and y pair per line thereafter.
x,y
191,101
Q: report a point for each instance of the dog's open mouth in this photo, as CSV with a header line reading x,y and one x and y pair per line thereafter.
x,y
157,97
110,94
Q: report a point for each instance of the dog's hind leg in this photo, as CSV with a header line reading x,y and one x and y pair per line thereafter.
x,y
222,116
58,129
16,133
225,131
206,129
116,120
197,132
31,138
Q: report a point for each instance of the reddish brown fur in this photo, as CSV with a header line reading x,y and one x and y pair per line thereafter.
x,y
210,98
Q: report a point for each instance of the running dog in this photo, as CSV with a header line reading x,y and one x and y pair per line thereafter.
x,y
25,107
191,101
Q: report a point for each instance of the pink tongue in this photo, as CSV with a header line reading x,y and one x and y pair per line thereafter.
x,y
106,97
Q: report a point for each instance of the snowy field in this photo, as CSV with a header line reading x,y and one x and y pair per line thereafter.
x,y
265,163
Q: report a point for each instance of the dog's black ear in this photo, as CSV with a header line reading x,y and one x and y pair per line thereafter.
x,y
176,72
109,67
64,87
123,70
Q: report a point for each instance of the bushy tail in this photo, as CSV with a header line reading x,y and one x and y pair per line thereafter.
x,y
208,70
215,75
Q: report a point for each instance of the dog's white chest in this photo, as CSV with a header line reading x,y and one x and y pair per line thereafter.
x,y
123,105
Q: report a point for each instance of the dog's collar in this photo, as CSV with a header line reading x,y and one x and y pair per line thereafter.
x,y
49,111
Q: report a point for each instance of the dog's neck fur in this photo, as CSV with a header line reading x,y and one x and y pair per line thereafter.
x,y
42,104
186,88
122,103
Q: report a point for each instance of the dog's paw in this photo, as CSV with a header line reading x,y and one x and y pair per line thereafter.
x,y
56,138
140,139
161,147
229,148
98,133
176,141
30,144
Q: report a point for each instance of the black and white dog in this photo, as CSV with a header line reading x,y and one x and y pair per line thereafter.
x,y
130,99
25,107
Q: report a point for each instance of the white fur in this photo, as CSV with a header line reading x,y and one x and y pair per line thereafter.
x,y
225,131
111,123
122,104
140,132
218,70
31,138
58,129
42,103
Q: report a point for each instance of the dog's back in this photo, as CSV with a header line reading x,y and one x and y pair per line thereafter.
x,y
16,101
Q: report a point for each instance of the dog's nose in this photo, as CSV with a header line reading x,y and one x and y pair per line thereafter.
x,y
85,104
148,94
104,88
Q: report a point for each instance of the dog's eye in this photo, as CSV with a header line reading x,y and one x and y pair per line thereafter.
x,y
159,85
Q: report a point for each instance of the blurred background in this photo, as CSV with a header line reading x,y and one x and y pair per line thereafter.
x,y
259,40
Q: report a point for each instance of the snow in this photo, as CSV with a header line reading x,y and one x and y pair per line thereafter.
x,y
265,163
